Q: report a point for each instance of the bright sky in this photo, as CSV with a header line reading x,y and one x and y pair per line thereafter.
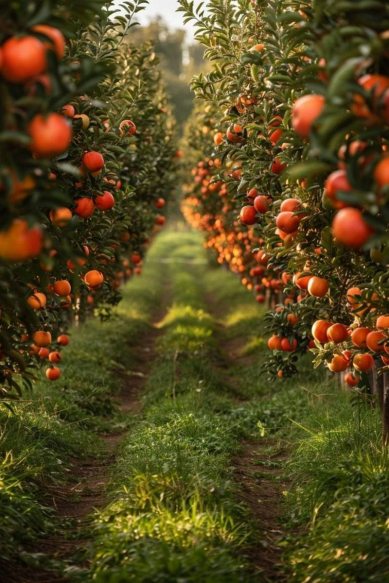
x,y
166,9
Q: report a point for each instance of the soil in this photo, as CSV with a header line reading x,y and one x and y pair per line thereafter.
x,y
258,469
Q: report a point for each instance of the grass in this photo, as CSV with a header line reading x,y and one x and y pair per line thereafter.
x,y
172,513
341,475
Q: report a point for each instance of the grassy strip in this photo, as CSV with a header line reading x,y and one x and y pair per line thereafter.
x,y
61,421
341,472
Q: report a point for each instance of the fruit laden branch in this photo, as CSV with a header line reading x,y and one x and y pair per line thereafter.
x,y
288,149
86,162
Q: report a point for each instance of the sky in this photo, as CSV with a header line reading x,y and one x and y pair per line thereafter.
x,y
166,9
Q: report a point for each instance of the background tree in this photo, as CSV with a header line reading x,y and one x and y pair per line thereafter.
x,y
179,62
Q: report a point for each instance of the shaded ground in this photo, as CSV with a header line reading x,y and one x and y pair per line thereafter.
x,y
192,492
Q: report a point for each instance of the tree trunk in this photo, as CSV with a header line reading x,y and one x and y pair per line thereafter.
x,y
268,298
385,412
380,390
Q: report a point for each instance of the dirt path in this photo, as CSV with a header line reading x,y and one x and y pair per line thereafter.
x,y
75,501
258,471
258,468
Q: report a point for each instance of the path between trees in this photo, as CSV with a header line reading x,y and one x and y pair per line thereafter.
x,y
256,468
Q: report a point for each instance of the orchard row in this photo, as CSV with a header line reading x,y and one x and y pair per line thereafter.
x,y
290,171
86,158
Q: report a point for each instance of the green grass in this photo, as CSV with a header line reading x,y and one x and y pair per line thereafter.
x,y
341,493
176,466
338,501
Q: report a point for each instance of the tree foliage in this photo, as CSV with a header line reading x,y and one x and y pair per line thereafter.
x,y
251,135
54,223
